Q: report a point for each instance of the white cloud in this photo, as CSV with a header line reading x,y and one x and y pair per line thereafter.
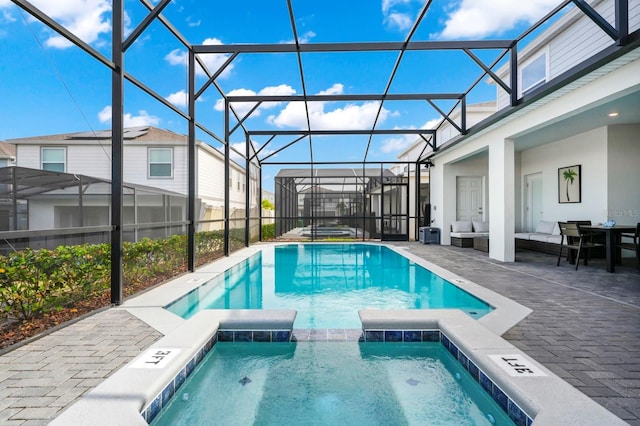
x,y
387,5
304,38
105,115
401,21
5,15
87,19
178,98
176,57
240,146
307,36
397,143
398,14
351,116
402,142
192,23
142,119
244,107
213,61
480,18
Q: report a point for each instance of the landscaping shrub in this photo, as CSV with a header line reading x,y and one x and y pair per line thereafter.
x,y
37,281
268,231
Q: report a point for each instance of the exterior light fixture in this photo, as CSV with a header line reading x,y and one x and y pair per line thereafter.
x,y
613,114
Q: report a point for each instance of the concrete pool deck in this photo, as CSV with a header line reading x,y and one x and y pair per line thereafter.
x,y
584,327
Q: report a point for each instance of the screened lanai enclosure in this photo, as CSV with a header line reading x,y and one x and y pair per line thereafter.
x,y
257,113
347,203
42,209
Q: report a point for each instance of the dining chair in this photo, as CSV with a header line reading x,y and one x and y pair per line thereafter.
x,y
633,245
573,238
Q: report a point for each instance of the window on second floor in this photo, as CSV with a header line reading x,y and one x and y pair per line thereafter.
x,y
160,162
534,73
54,159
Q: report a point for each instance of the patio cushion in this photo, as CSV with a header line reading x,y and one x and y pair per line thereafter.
x,y
461,226
539,237
554,239
545,227
464,234
480,226
523,235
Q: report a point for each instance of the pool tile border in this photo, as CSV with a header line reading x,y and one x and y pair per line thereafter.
x,y
515,413
258,336
151,411
510,407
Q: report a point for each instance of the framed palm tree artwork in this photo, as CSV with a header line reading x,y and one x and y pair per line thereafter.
x,y
569,190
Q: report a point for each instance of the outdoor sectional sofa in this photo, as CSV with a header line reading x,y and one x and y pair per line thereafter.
x,y
463,232
546,238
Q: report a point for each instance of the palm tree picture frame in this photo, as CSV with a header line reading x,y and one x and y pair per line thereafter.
x,y
569,184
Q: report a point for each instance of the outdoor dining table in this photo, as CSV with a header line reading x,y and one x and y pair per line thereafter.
x,y
612,236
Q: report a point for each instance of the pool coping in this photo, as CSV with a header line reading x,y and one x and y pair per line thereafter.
x,y
122,397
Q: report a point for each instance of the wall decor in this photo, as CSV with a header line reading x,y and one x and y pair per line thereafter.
x,y
569,188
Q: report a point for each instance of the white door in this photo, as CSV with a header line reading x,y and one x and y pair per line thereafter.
x,y
533,201
470,198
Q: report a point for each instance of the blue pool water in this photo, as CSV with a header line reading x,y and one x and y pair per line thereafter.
x,y
327,284
344,383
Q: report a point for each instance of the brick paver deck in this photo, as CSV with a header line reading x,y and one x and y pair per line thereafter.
x,y
39,380
585,327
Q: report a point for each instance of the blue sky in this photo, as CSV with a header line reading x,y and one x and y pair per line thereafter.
x,y
51,87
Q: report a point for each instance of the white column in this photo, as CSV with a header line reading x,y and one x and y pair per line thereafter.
x,y
436,185
501,201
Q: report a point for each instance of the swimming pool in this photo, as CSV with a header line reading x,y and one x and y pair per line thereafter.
x,y
327,284
331,383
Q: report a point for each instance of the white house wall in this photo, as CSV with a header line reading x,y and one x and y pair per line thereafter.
x,y
589,150
573,44
445,200
210,179
527,120
136,167
92,160
211,182
623,185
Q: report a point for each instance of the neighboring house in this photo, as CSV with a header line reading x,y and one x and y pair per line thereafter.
x,y
7,154
269,196
153,158
7,158
509,172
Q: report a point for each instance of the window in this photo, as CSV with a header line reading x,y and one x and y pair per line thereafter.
x,y
54,159
534,73
230,182
160,162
